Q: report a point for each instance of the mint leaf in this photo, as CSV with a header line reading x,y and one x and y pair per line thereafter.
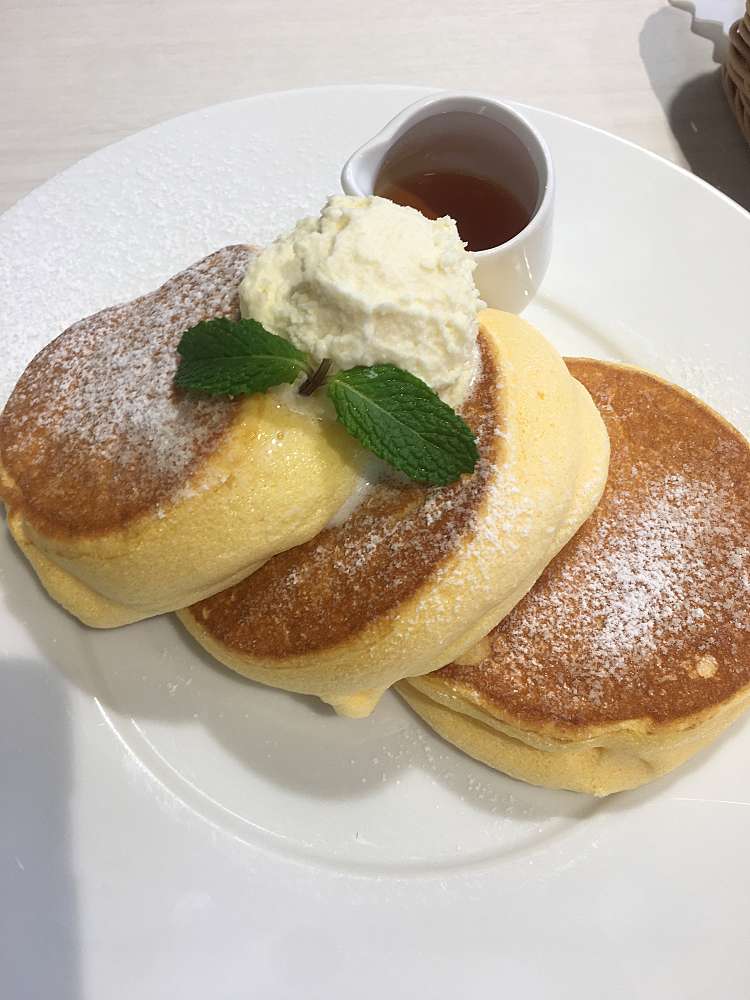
x,y
229,358
399,418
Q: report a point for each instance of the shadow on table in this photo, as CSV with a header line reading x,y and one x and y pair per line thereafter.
x,y
697,110
38,910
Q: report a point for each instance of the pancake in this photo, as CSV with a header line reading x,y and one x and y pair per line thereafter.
x,y
415,576
632,652
130,497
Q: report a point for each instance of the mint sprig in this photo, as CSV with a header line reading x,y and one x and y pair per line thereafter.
x,y
227,358
398,417
391,412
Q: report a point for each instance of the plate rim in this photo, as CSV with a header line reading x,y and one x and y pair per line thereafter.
x,y
424,88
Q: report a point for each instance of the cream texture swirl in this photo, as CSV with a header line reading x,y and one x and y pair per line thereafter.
x,y
371,282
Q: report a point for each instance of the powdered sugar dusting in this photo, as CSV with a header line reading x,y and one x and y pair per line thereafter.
x,y
647,573
655,586
653,569
97,407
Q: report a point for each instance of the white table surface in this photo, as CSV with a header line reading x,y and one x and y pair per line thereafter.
x,y
76,76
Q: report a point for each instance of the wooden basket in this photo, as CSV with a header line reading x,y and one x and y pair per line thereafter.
x,y
736,72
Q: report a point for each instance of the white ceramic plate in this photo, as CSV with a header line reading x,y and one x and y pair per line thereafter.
x,y
168,829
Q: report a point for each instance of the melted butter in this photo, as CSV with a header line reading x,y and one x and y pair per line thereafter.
x,y
371,472
318,406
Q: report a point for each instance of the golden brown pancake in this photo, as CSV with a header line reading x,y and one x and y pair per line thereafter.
x,y
416,575
129,496
632,651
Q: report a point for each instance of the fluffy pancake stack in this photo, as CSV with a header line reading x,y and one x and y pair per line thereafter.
x,y
591,659
415,576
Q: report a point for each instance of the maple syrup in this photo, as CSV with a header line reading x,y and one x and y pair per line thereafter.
x,y
487,213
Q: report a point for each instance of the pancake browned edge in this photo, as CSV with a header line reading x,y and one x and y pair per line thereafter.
x,y
632,651
130,497
415,576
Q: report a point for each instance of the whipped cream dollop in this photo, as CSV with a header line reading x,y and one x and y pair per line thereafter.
x,y
371,282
